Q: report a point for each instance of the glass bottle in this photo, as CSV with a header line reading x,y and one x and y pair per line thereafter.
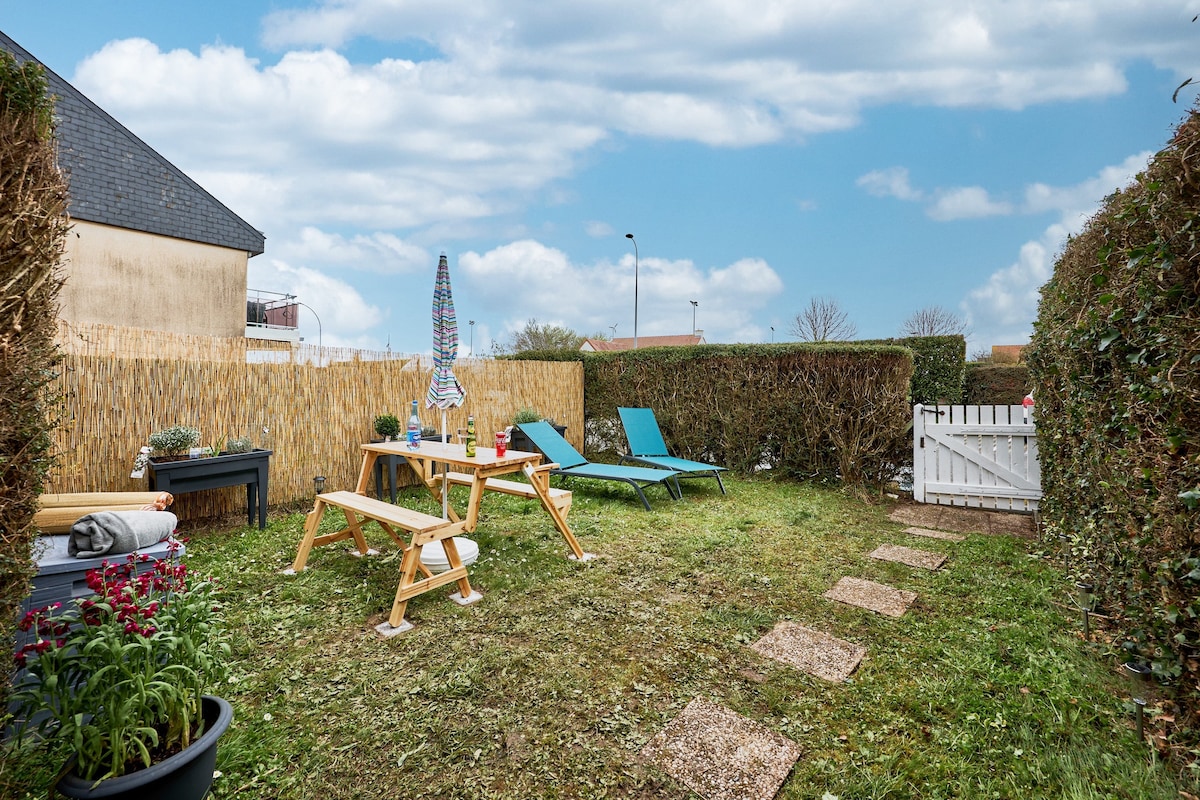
x,y
413,434
470,437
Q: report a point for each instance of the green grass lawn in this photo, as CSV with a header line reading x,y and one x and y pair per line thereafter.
x,y
551,685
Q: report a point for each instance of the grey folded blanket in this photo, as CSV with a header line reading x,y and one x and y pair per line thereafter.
x,y
111,532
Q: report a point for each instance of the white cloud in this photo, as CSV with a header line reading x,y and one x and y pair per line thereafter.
x,y
599,230
966,202
345,318
378,252
595,296
1002,309
890,182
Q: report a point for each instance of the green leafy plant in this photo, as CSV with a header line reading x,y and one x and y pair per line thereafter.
x,y
526,415
174,440
120,676
387,425
238,444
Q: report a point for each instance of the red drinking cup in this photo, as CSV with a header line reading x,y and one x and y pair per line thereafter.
x,y
501,444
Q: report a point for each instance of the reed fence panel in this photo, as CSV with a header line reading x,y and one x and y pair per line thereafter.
x,y
311,410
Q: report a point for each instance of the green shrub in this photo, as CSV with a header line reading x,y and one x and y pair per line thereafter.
x,y
996,384
1115,361
174,440
827,412
33,207
387,425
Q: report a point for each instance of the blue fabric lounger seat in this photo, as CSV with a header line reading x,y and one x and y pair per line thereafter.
x,y
646,446
572,464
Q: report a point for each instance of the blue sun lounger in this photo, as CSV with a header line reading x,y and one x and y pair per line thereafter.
x,y
646,446
572,464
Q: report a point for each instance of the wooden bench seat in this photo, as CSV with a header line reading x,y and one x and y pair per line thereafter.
x,y
422,528
561,497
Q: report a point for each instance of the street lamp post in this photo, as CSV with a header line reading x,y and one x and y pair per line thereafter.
x,y
629,236
318,320
471,323
694,304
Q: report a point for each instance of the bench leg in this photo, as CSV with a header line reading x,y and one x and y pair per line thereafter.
x,y
311,523
408,569
465,593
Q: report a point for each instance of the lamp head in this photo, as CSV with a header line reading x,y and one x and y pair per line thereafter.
x,y
629,236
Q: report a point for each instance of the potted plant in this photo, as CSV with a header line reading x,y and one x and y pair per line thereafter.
x,y
174,442
387,426
238,444
122,677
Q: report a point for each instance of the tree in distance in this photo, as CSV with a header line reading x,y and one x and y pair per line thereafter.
x,y
823,321
934,321
538,337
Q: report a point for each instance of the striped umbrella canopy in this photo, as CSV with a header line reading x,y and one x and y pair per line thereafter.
x,y
444,389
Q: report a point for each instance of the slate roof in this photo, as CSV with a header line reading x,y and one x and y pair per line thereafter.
x,y
116,179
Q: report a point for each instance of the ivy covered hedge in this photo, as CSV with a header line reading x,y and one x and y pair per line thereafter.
x,y
830,412
1115,360
33,226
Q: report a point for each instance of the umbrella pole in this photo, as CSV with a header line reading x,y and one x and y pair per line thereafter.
x,y
445,475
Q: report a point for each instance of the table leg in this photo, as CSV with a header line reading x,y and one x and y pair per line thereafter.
x,y
392,478
540,479
364,474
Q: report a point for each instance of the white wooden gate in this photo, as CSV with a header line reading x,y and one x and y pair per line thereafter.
x,y
976,456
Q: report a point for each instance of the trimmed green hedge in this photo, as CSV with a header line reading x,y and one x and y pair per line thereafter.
x,y
996,384
1115,360
938,366
815,411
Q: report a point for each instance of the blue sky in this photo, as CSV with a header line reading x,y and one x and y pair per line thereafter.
x,y
888,156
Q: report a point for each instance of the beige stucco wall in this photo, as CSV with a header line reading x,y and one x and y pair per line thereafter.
x,y
121,277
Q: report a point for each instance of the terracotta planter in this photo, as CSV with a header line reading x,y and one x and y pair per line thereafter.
x,y
184,776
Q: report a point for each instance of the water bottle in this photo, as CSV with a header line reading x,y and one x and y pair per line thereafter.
x,y
470,437
413,435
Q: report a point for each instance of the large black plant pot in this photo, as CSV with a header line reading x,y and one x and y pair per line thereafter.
x,y
187,775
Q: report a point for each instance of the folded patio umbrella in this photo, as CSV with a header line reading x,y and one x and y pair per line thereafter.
x,y
444,389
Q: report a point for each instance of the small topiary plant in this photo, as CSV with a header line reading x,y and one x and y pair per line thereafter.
x,y
387,425
174,440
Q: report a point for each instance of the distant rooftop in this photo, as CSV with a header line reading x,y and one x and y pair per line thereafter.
x,y
604,345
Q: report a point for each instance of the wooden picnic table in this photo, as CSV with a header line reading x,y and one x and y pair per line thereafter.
x,y
437,462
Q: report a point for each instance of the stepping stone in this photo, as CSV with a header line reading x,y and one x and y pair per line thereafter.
x,y
949,537
909,556
871,596
964,520
811,651
722,755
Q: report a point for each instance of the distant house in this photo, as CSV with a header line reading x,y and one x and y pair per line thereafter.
x,y
605,345
149,247
1008,353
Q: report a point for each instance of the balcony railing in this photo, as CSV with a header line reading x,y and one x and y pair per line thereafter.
x,y
271,310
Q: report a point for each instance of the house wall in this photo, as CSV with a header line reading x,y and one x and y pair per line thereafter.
x,y
116,276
